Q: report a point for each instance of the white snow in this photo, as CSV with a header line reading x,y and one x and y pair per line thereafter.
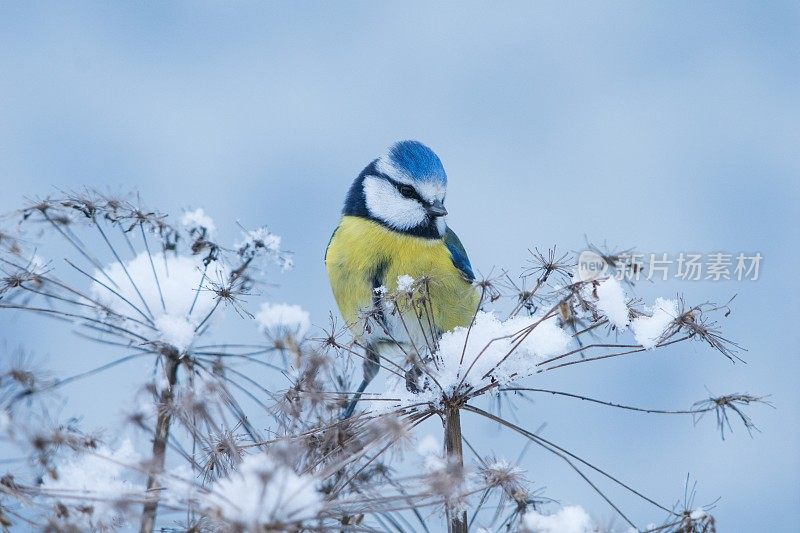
x,y
176,330
429,445
102,477
569,519
405,283
263,243
611,303
649,330
381,291
263,491
698,514
431,450
280,319
259,239
262,238
199,219
179,279
179,485
490,341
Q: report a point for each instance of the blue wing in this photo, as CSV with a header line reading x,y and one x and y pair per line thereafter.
x,y
459,255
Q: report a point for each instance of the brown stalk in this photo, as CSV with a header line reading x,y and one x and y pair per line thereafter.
x,y
454,450
160,438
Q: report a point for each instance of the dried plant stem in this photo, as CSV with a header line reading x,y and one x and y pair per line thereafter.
x,y
456,521
160,438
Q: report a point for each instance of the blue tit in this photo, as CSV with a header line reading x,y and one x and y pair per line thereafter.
x,y
393,225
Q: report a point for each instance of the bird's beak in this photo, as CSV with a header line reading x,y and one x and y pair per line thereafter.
x,y
436,209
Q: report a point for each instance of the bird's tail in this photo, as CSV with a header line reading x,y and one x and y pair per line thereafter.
x,y
372,363
351,406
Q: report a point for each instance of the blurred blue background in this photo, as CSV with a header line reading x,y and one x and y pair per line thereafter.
x,y
666,126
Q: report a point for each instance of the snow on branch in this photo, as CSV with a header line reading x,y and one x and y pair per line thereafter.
x,y
244,431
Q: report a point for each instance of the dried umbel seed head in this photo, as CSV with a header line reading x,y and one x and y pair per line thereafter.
x,y
448,480
502,474
543,265
197,385
223,451
391,428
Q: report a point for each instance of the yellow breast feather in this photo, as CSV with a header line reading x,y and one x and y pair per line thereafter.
x,y
361,250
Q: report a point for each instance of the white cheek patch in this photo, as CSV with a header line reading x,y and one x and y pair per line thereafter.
x,y
385,203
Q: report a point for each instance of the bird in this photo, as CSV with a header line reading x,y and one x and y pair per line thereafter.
x,y
393,228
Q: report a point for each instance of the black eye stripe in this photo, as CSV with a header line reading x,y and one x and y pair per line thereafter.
x,y
400,186
408,191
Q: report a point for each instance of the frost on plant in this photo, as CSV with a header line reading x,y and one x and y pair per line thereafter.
x,y
165,293
237,419
199,223
611,302
98,485
264,493
405,283
652,329
490,351
569,519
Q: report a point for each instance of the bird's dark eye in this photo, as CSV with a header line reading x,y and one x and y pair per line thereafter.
x,y
407,191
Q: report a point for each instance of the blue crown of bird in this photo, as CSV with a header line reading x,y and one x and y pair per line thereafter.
x,y
393,227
